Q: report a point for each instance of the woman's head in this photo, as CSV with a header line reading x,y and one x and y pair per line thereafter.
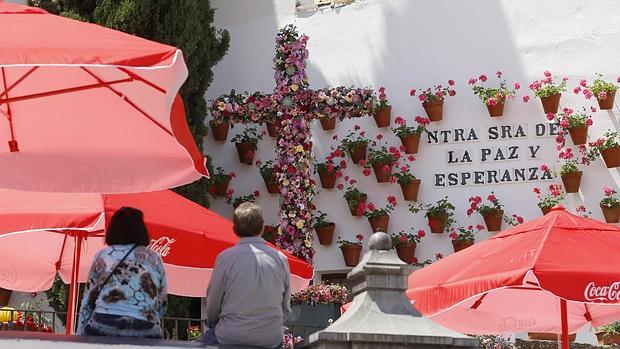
x,y
248,220
127,227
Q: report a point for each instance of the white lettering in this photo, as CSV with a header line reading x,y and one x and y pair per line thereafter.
x,y
162,245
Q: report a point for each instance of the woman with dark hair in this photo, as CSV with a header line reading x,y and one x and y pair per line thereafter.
x,y
125,295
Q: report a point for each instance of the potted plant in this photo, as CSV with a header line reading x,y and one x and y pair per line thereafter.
x,y
405,244
324,229
223,109
432,99
409,184
608,147
609,334
379,218
269,173
575,123
604,91
356,199
440,215
410,136
493,97
327,107
464,237
493,214
381,159
570,173
513,220
351,250
219,181
610,204
383,109
236,201
555,196
549,92
317,305
247,143
270,233
328,171
355,145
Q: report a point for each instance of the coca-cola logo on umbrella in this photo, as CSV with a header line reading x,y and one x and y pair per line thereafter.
x,y
162,245
606,293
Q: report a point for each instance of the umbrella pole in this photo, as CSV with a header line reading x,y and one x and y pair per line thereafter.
x,y
564,314
74,286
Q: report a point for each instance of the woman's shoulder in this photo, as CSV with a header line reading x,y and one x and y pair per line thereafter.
x,y
148,255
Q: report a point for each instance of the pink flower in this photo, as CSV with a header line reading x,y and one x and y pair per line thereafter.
x,y
366,172
381,89
544,168
550,116
232,175
587,93
602,95
399,121
482,78
359,237
564,123
499,74
392,200
491,197
438,256
451,82
526,99
356,127
412,92
362,162
439,94
593,109
379,136
453,236
517,85
577,90
403,238
256,193
491,102
386,169
547,73
583,83
537,190
472,81
479,227
519,219
452,93
588,122
422,98
421,233
618,79
608,191
565,79
340,186
411,158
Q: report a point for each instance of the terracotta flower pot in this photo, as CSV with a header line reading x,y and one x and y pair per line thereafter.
x,y
5,296
273,187
551,103
246,152
353,210
496,110
571,181
219,130
328,123
406,252
382,117
611,156
358,153
549,336
546,210
607,103
434,110
220,188
351,254
493,221
271,129
612,215
328,179
411,143
459,246
382,176
607,339
437,224
579,135
379,223
325,233
410,190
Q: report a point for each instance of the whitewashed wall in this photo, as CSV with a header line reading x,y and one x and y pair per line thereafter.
x,y
411,44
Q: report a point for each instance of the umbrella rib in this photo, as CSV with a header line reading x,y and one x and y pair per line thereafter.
x,y
12,142
7,90
128,101
139,78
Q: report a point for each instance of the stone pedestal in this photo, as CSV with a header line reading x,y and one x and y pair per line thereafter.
x,y
380,315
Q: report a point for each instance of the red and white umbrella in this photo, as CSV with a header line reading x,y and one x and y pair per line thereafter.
x,y
45,233
553,274
84,108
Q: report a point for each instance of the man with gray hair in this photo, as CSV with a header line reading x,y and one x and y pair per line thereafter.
x,y
249,293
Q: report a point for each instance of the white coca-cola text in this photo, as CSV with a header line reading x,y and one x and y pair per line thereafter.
x,y
162,245
608,293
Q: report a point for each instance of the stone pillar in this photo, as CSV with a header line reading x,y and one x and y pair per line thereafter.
x,y
380,315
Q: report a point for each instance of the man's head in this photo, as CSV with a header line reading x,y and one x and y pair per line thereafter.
x,y
248,220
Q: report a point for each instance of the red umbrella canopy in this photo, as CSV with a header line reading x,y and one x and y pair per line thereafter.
x,y
514,280
84,108
36,231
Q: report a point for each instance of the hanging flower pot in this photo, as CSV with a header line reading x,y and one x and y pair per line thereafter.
x,y
328,179
221,187
607,103
410,190
493,221
328,123
411,143
362,200
406,252
434,110
382,175
245,152
579,135
325,233
219,130
437,224
546,209
358,153
608,338
549,336
611,156
272,185
5,296
271,129
611,214
351,254
379,223
496,110
383,116
459,246
571,181
551,103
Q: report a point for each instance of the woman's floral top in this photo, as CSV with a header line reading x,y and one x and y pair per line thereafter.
x,y
137,288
